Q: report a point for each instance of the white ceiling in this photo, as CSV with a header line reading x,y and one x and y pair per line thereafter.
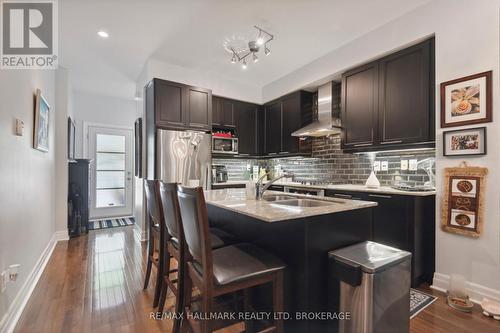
x,y
190,33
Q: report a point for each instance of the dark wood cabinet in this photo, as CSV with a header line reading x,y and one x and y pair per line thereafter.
x,y
404,103
359,106
283,117
403,221
198,108
273,128
224,112
389,103
247,128
168,101
173,105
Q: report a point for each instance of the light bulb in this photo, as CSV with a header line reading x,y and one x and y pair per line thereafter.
x,y
255,58
103,34
260,41
244,64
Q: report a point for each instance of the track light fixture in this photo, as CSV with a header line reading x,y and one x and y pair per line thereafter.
x,y
251,47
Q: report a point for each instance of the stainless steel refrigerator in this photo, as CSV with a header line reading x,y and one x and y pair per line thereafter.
x,y
184,157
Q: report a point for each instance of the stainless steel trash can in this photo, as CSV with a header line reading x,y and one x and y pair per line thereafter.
x,y
374,287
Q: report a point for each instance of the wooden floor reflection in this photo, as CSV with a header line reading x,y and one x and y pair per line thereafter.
x,y
94,284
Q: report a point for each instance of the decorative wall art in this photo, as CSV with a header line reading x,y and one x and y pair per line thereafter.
x,y
463,200
467,100
471,141
41,128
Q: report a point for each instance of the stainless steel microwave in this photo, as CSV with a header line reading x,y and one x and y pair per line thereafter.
x,y
221,145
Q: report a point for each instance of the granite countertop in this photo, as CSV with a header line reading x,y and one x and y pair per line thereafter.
x,y
231,182
268,211
359,188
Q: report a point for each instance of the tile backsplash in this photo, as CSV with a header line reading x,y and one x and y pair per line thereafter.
x,y
330,164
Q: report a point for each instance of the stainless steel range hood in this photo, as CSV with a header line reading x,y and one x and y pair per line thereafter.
x,y
324,124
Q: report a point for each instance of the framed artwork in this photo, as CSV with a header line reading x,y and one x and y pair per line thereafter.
x,y
41,128
71,139
138,147
467,100
471,141
463,200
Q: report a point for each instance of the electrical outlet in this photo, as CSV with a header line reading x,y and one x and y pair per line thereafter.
x,y
376,165
413,165
3,281
385,165
404,165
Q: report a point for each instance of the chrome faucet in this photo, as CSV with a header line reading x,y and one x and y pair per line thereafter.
x,y
261,188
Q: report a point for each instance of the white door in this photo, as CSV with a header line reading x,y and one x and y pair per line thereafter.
x,y
111,172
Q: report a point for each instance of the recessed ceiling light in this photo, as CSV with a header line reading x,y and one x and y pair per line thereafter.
x,y
103,34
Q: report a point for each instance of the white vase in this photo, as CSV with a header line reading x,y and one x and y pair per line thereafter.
x,y
372,181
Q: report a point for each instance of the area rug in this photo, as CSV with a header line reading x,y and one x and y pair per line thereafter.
x,y
419,301
111,223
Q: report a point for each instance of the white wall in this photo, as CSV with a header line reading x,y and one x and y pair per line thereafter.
x,y
93,108
27,188
467,42
64,107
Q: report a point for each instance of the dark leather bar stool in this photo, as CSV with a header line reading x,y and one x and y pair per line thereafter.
x,y
170,215
221,271
156,238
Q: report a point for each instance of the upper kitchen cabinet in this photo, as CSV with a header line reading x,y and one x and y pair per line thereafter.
x,y
167,100
359,106
283,117
175,105
199,108
273,130
224,113
389,103
247,128
404,96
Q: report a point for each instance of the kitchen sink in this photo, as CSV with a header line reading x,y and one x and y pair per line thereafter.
x,y
304,203
277,197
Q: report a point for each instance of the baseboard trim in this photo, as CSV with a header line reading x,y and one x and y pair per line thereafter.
x,y
476,291
11,317
61,235
139,234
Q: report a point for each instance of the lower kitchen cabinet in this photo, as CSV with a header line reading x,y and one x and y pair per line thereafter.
x,y
406,222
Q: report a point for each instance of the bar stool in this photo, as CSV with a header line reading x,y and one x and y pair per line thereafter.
x,y
224,270
170,215
156,236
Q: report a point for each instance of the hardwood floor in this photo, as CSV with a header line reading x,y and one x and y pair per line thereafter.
x,y
94,284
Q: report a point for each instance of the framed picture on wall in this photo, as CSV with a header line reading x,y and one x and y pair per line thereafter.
x,y
41,128
471,141
462,210
138,147
71,139
467,100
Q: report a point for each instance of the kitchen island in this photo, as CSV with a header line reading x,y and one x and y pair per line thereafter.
x,y
300,230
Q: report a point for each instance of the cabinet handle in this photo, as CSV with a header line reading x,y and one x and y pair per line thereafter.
x,y
244,154
272,154
380,196
391,142
363,144
285,152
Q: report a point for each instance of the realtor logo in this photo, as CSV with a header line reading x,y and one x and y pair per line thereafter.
x,y
29,34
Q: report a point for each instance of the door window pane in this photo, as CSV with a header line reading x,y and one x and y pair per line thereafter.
x,y
110,198
113,161
110,143
110,179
